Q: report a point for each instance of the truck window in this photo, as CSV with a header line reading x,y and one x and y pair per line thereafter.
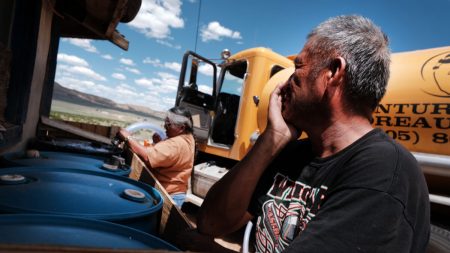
x,y
275,69
228,103
201,77
233,78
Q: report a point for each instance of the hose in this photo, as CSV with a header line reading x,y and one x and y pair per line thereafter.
x,y
147,126
248,230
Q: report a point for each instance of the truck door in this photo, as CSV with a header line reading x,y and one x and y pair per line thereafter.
x,y
196,92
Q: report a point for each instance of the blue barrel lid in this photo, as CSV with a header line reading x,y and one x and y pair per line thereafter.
x,y
65,160
37,229
75,192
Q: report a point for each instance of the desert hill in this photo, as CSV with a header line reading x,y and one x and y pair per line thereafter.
x,y
73,96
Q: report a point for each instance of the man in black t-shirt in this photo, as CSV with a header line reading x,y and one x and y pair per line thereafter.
x,y
348,187
370,196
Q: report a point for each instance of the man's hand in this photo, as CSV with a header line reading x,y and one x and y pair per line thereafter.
x,y
275,122
123,134
156,138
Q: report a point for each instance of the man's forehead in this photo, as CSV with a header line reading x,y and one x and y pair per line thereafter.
x,y
300,57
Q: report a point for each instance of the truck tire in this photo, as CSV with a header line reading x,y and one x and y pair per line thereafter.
x,y
439,240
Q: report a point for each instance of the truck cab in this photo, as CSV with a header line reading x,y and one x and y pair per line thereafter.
x,y
225,108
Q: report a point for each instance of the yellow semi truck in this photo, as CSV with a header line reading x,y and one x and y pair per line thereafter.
x,y
229,102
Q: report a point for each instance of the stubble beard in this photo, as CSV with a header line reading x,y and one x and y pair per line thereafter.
x,y
301,114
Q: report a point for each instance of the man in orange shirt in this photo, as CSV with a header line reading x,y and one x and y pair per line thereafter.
x,y
170,160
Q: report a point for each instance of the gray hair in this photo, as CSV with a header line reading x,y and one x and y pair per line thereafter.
x,y
180,116
364,47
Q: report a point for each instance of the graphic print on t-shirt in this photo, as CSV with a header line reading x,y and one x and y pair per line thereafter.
x,y
291,205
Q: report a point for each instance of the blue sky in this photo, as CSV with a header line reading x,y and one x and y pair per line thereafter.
x,y
147,74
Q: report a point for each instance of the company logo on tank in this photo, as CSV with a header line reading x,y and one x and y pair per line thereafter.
x,y
437,69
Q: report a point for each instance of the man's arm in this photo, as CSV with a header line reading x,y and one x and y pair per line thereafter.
x,y
134,146
225,206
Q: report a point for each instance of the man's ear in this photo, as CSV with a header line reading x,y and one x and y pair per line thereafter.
x,y
182,128
337,69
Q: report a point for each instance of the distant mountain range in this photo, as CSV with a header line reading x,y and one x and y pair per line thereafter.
x,y
73,96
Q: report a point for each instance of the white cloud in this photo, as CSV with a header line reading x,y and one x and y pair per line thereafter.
x,y
62,68
107,57
127,86
144,82
161,103
207,69
88,84
126,61
166,83
122,90
72,59
154,62
164,103
155,18
86,72
215,31
119,76
133,70
84,43
167,76
168,44
205,89
175,66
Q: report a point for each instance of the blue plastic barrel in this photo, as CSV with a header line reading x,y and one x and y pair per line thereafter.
x,y
65,160
54,230
80,193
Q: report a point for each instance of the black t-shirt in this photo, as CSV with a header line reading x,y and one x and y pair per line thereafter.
x,y
369,197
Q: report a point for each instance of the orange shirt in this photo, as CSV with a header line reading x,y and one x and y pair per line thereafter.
x,y
172,161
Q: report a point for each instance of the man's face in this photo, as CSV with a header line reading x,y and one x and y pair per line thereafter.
x,y
172,129
303,95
